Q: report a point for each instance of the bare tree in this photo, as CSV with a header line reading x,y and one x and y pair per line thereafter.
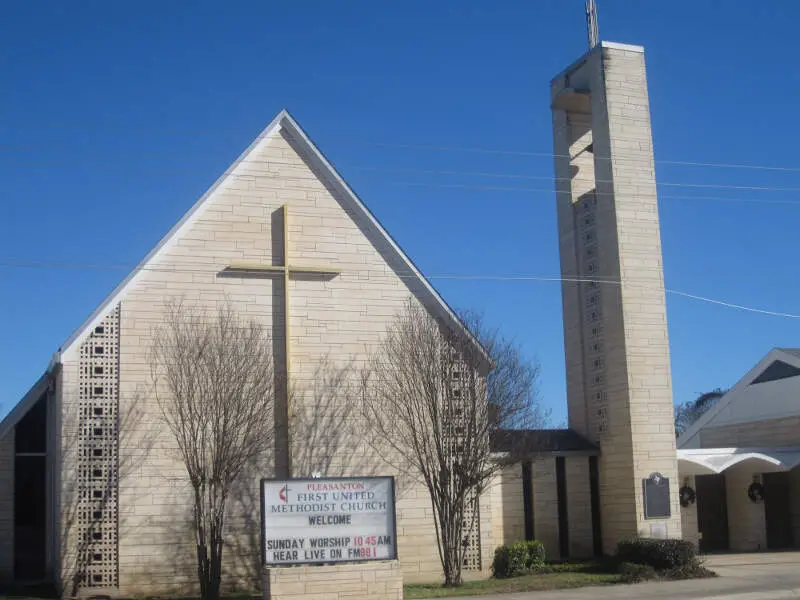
x,y
688,412
431,411
214,381
513,383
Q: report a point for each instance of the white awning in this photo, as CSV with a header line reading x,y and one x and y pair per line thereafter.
x,y
708,461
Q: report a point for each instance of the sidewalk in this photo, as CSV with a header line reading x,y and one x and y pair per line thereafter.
x,y
768,576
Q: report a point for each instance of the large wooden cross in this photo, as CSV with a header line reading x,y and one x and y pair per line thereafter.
x,y
286,270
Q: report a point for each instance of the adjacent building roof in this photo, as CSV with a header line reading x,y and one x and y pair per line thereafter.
x,y
716,460
765,392
541,441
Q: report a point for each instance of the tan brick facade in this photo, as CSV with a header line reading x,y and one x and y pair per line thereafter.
x,y
7,507
335,323
381,580
508,502
617,353
579,507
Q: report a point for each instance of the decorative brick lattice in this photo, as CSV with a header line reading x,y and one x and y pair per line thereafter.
x,y
472,540
592,308
98,456
456,415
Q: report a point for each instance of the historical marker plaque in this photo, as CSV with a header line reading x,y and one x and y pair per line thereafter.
x,y
313,521
656,497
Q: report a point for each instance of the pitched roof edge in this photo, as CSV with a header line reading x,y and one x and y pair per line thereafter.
x,y
283,119
342,186
27,401
119,291
732,393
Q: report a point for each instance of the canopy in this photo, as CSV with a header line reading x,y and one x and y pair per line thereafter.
x,y
715,460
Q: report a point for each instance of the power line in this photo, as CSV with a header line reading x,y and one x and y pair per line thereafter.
x,y
253,177
441,276
619,156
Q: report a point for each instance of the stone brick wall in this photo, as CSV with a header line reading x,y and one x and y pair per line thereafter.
x,y
366,581
508,509
545,498
617,352
773,432
579,506
7,507
335,324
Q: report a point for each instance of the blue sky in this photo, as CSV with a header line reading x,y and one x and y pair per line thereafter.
x,y
116,116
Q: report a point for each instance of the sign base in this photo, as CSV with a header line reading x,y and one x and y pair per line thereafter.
x,y
378,580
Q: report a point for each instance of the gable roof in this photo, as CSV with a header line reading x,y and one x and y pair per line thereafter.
x,y
792,351
788,356
283,121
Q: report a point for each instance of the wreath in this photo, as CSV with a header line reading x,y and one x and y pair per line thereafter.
x,y
687,496
755,492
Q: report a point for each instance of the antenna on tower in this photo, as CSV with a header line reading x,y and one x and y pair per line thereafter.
x,y
591,23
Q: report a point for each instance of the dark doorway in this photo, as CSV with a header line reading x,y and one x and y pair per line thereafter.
x,y
561,495
30,494
778,510
527,499
712,512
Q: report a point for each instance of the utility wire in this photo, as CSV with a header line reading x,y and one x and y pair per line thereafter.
x,y
619,156
439,276
253,177
489,174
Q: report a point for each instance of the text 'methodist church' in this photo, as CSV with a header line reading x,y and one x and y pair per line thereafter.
x,y
90,491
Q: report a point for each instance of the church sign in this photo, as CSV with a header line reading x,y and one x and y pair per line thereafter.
x,y
327,520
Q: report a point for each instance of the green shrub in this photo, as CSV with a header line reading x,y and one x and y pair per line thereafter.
x,y
536,554
518,558
693,571
501,565
659,554
635,573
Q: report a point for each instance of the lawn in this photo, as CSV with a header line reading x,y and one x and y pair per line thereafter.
x,y
525,583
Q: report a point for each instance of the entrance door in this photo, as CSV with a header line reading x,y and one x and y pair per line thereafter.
x,y
712,512
778,510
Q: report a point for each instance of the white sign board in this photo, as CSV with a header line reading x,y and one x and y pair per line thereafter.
x,y
350,519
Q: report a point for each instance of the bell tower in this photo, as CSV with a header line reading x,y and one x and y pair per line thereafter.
x,y
619,389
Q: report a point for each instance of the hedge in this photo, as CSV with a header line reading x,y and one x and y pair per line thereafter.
x,y
518,558
659,554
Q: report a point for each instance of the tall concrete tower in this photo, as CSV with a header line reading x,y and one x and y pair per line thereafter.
x,y
619,388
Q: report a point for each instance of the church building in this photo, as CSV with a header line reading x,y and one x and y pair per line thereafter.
x,y
92,493
93,497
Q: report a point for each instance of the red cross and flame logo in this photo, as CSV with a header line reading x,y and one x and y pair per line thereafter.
x,y
284,494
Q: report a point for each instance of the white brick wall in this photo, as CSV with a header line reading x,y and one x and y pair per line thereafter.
x,y
545,498
335,324
579,506
367,581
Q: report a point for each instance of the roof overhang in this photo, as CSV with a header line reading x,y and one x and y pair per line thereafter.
x,y
709,461
24,405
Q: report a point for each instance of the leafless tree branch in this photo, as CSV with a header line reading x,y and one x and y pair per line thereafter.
x,y
431,409
214,380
